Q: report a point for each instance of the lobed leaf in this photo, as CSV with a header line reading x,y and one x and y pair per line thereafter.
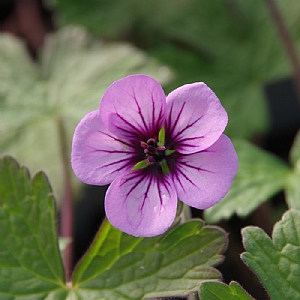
x,y
30,262
68,82
119,266
260,176
221,291
276,261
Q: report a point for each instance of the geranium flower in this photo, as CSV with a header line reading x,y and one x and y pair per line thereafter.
x,y
154,149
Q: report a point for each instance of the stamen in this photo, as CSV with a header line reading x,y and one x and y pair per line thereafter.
x,y
156,152
150,160
144,145
152,140
162,148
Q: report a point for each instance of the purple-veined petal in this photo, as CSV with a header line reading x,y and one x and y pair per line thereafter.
x,y
202,179
134,107
98,156
195,118
140,204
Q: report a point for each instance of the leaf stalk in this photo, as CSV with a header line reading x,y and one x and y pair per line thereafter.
x,y
66,216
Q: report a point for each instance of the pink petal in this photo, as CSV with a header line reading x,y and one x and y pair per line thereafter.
x,y
202,179
134,107
140,204
195,118
98,157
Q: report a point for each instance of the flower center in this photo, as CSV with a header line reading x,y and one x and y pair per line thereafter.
x,y
155,152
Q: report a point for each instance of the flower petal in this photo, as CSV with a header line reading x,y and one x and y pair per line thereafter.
x,y
140,204
98,157
202,179
195,118
134,107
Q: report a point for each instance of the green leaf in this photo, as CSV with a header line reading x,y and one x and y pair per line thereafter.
x,y
260,176
30,262
292,188
276,261
119,266
292,191
295,153
220,291
68,82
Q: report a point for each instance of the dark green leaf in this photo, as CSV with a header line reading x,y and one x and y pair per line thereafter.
x,y
119,266
30,262
276,261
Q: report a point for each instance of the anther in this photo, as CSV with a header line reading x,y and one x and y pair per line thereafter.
x,y
144,145
152,140
161,148
149,160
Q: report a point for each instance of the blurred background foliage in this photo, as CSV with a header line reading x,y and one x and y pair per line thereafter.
x,y
67,82
231,45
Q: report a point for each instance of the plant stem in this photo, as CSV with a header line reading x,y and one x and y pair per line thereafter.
x,y
66,216
287,42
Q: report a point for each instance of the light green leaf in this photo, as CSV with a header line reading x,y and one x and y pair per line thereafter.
x,y
68,82
30,263
220,291
295,153
119,266
292,188
260,176
292,191
276,261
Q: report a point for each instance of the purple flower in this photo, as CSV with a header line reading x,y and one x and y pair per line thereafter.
x,y
154,149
